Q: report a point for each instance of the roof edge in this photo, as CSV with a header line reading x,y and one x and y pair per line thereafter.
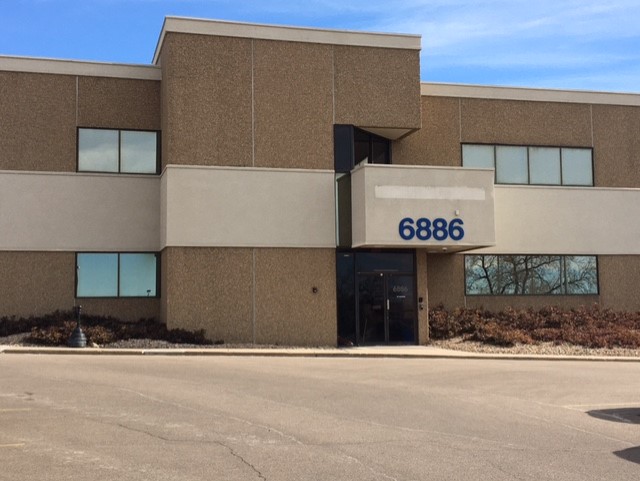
x,y
528,94
285,33
79,67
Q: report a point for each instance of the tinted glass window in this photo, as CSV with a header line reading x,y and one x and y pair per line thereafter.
x,y
530,275
138,275
138,152
361,147
97,275
581,275
103,150
544,165
384,262
511,165
98,150
577,168
345,277
379,151
480,156
117,275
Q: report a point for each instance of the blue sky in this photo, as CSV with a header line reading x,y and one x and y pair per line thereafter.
x,y
573,44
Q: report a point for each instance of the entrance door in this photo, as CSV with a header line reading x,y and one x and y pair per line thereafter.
x,y
386,308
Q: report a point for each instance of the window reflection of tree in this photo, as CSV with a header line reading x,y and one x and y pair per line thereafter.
x,y
530,274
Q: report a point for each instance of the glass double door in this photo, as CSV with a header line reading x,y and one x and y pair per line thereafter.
x,y
386,308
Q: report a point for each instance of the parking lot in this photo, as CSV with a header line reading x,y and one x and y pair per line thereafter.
x,y
243,418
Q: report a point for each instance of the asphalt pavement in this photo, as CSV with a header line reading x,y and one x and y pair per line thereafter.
x,y
316,418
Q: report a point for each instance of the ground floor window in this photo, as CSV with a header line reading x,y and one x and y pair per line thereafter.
x,y
132,274
488,275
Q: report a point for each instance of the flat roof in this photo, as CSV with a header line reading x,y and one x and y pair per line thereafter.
x,y
286,33
527,93
79,67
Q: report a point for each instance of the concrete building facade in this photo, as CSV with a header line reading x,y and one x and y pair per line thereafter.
x,y
300,186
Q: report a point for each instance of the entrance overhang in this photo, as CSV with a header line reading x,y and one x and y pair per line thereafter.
x,y
439,209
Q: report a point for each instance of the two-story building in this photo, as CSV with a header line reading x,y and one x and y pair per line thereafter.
x,y
295,186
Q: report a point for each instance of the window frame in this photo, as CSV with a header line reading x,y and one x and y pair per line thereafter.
x,y
527,147
563,276
118,296
119,171
344,151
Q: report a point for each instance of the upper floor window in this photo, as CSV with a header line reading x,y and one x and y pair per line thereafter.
x,y
353,146
532,165
123,151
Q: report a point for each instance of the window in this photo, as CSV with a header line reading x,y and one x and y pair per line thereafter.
x,y
117,275
124,151
353,146
532,165
497,275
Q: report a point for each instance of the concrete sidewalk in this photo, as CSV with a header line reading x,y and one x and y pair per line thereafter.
x,y
400,352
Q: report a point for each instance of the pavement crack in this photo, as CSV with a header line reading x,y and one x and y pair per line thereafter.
x,y
148,433
244,461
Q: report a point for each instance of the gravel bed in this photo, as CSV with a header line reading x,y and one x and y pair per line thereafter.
x,y
458,344
545,348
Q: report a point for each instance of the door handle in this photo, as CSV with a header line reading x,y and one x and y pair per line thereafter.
x,y
388,304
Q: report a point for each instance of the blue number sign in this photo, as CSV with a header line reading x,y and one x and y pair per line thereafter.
x,y
424,229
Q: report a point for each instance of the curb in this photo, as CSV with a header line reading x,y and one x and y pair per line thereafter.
x,y
311,353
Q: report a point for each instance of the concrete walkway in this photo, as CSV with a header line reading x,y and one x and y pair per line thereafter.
x,y
404,352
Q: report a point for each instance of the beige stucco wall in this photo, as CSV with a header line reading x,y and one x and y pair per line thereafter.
x,y
37,283
247,207
382,195
79,212
566,220
252,295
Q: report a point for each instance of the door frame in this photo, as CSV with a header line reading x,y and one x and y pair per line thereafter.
x,y
386,276
386,273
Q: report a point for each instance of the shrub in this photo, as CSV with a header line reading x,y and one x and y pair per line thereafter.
x,y
56,328
592,327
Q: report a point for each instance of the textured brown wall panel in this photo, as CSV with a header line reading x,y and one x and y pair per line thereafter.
x,y
211,289
118,103
525,123
293,105
377,87
421,281
619,278
124,309
445,280
616,146
38,126
288,312
208,100
438,141
36,283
